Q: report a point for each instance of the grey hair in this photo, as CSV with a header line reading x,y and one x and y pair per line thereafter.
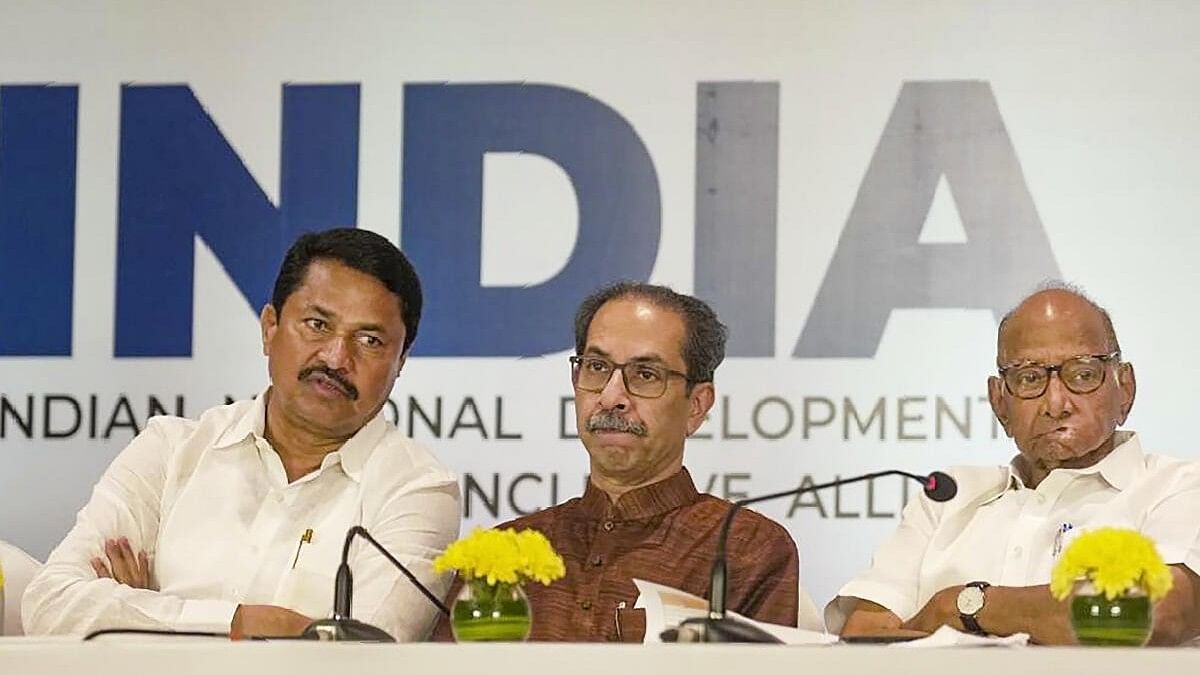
x,y
1110,333
705,336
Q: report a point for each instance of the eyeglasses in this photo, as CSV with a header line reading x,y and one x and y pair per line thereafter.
x,y
642,379
1080,374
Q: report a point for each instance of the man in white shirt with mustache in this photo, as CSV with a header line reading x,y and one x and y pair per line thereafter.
x,y
234,522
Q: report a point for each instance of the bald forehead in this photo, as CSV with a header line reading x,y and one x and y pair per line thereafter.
x,y
1051,325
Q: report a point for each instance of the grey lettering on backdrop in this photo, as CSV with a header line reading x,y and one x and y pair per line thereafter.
x,y
737,183
937,128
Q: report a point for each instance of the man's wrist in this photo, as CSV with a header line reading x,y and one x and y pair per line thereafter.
x,y
971,601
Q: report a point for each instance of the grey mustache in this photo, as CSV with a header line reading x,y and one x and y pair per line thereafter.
x,y
606,420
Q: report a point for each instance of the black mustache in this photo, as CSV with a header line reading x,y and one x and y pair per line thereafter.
x,y
350,390
607,420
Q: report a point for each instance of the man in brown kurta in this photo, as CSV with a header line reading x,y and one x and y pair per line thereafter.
x,y
643,378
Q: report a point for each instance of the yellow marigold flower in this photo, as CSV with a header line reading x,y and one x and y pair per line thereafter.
x,y
1115,560
502,557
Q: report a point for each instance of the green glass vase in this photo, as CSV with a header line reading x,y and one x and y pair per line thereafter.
x,y
1124,621
483,613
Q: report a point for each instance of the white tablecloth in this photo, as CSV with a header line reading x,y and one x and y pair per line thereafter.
x,y
34,656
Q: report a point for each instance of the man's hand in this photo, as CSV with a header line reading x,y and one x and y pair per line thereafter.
x,y
123,565
266,621
868,619
941,610
1008,610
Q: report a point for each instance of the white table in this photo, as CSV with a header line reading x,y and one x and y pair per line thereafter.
x,y
34,656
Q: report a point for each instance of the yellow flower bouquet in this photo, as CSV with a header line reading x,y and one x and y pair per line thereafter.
x,y
1113,576
494,565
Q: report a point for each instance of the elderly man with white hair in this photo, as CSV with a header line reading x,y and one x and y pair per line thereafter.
x,y
981,562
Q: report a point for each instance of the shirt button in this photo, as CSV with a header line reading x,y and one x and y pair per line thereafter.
x,y
608,526
1018,551
597,561
586,604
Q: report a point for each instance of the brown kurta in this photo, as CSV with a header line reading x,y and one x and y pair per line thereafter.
x,y
665,533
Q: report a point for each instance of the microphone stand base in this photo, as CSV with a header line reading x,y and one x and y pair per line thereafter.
x,y
721,630
345,630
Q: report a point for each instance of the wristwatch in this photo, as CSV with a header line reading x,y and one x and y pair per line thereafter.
x,y
970,601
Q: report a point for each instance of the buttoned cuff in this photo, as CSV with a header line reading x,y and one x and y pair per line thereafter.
x,y
838,609
206,615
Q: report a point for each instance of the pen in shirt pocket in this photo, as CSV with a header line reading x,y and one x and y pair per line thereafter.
x,y
1060,539
305,538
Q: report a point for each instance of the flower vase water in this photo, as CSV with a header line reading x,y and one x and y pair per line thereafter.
x,y
1112,578
494,565
484,612
1126,620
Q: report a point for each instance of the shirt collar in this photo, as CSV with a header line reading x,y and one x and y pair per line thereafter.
x,y
249,425
644,502
355,451
352,455
1120,468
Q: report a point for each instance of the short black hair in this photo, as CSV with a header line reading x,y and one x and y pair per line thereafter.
x,y
357,249
704,335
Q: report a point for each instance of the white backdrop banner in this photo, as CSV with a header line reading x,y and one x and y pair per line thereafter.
x,y
860,189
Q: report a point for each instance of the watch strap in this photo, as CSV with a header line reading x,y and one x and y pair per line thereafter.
x,y
969,622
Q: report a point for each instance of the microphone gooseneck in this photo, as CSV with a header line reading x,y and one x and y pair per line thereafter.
x,y
362,532
938,486
344,628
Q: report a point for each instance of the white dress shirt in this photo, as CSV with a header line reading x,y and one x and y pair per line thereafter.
x,y
1000,531
210,503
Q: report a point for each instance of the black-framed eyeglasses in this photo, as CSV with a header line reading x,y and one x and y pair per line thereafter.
x,y
643,379
1079,374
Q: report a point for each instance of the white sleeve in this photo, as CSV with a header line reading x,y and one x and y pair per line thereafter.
x,y
1174,527
893,579
66,596
415,524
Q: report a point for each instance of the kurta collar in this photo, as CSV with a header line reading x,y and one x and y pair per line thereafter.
x,y
644,502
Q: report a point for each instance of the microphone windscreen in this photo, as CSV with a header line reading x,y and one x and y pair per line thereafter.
x,y
940,487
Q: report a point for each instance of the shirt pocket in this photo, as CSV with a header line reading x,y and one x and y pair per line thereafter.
x,y
307,586
307,592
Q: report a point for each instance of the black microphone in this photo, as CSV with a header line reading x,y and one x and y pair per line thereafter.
x,y
717,627
343,628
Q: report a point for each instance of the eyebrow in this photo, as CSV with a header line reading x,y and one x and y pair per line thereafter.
x,y
644,358
1037,362
326,313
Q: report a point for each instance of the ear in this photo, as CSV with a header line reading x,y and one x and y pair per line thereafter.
x,y
999,405
400,363
700,401
1127,382
268,322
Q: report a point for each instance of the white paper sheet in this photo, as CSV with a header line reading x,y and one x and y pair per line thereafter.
x,y
666,607
948,637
